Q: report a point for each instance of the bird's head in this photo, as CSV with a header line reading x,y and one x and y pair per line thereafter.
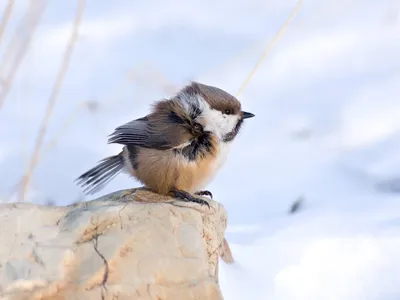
x,y
214,109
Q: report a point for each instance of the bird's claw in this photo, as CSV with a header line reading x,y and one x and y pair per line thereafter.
x,y
204,193
187,197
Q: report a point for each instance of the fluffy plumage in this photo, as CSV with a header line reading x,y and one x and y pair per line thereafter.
x,y
178,147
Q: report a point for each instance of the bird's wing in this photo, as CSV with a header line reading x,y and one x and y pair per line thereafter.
x,y
149,134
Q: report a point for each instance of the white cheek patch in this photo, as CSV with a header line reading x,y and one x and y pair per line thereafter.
x,y
217,122
231,121
213,120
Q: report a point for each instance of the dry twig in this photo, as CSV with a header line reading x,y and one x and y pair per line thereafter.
x,y
52,100
269,47
6,17
28,24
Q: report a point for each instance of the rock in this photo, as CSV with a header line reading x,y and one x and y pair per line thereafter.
x,y
131,244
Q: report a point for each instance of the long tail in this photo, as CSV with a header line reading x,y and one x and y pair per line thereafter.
x,y
97,177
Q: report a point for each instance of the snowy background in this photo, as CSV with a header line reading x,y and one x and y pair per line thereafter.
x,y
327,126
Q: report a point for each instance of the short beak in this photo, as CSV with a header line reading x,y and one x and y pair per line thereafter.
x,y
246,115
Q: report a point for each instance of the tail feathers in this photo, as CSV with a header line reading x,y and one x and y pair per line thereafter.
x,y
97,177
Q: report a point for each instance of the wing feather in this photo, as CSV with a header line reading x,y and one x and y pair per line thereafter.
x,y
145,132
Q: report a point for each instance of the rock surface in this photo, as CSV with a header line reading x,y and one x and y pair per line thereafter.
x,y
131,244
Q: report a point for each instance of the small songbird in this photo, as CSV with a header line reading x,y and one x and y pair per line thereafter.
x,y
177,149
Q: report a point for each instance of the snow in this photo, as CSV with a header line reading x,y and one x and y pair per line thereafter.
x,y
327,128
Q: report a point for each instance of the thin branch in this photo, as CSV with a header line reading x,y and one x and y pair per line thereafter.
x,y
169,87
269,47
28,23
6,17
52,100
68,122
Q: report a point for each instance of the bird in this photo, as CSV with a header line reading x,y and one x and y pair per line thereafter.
x,y
176,149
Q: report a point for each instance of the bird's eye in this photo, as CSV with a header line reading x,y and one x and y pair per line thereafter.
x,y
197,127
228,111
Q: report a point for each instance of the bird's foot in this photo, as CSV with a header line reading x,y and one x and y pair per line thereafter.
x,y
204,193
187,197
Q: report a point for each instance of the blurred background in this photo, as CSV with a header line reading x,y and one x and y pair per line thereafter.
x,y
312,184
